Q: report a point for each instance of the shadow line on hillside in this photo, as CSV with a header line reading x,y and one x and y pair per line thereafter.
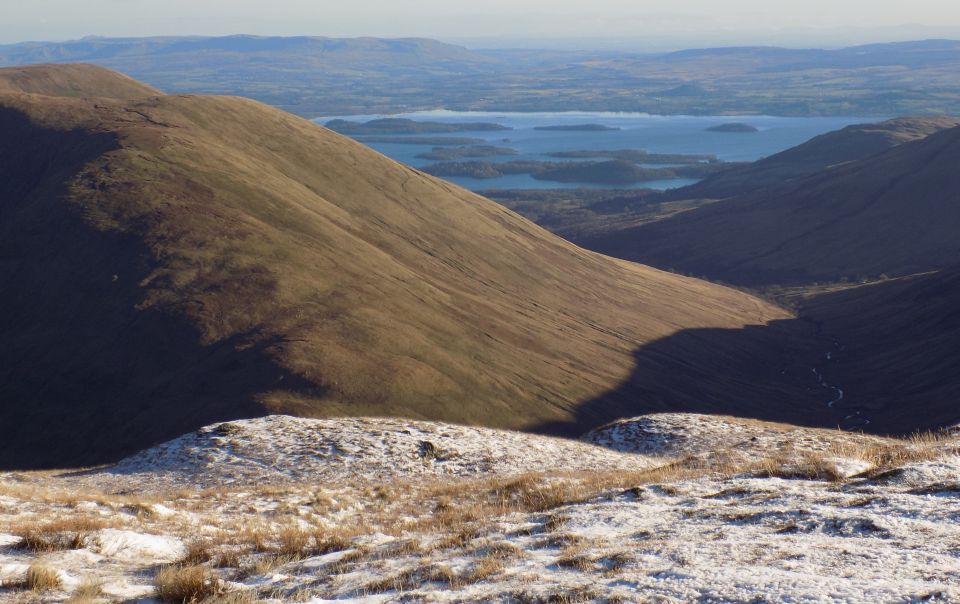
x,y
757,372
88,374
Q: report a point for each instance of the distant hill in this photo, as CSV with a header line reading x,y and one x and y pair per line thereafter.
x,y
315,76
576,128
405,126
180,260
734,127
610,172
241,51
894,213
298,73
848,144
614,171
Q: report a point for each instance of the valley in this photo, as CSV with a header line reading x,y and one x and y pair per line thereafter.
x,y
590,336
319,279
315,319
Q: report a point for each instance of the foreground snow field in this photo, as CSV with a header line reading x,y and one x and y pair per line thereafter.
x,y
285,509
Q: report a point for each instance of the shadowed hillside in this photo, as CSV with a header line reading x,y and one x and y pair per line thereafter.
x,y
848,144
181,260
898,349
895,213
882,358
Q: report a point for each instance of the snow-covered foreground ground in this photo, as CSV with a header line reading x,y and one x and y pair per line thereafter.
x,y
689,508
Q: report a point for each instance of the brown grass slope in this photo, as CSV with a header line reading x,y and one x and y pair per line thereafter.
x,y
176,260
900,356
76,80
896,213
847,144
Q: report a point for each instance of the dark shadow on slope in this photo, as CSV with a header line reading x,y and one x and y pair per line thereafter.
x,y
759,372
85,376
898,352
887,356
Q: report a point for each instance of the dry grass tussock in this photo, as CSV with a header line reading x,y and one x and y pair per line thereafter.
x,y
41,578
296,542
38,578
36,486
480,570
56,535
186,584
575,557
87,592
456,506
881,454
888,454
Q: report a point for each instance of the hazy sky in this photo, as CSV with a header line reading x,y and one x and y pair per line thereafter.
x,y
641,22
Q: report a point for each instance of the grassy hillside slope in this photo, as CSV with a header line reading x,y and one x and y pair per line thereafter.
x,y
72,80
180,260
896,213
819,153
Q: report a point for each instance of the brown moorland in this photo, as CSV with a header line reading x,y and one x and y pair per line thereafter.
x,y
894,213
178,260
72,80
819,153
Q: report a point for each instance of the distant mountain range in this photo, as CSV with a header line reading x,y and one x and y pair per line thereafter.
x,y
327,76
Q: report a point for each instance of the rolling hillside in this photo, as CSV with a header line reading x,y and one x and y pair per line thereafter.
x,y
895,213
848,144
180,260
73,80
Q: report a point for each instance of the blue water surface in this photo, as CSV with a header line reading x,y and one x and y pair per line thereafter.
x,y
652,133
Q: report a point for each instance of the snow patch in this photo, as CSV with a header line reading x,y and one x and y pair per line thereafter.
x,y
131,545
8,540
290,449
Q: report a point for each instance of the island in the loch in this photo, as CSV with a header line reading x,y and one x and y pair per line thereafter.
x,y
577,128
393,125
454,153
737,127
435,141
636,155
610,172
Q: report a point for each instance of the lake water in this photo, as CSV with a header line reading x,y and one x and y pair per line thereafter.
x,y
652,133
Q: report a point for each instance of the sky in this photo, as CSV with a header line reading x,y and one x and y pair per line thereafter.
x,y
491,23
